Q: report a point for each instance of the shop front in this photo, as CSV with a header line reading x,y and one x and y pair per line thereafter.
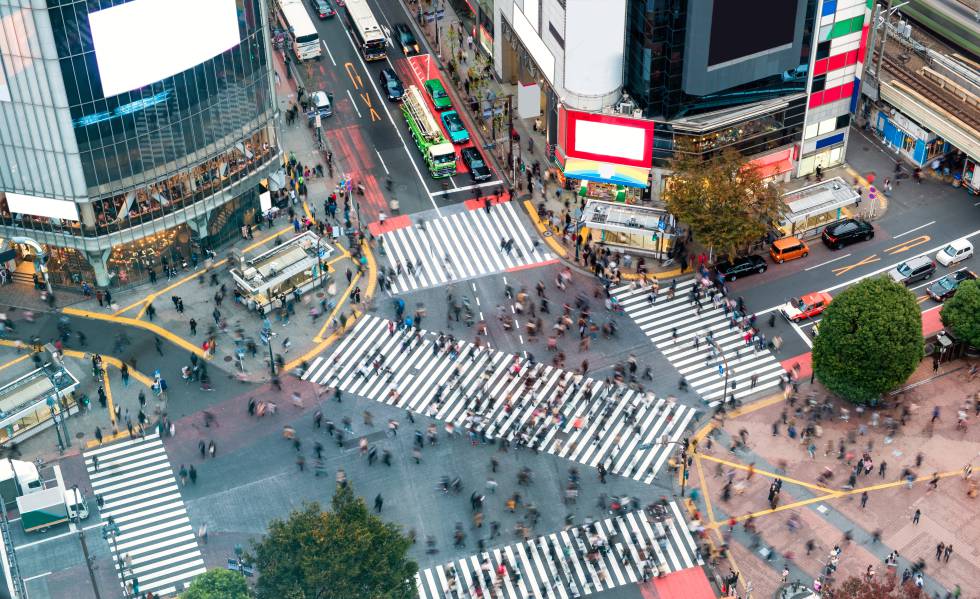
x,y
628,228
294,266
909,139
590,179
809,209
28,404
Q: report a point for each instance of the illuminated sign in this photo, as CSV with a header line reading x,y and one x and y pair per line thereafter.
x,y
605,138
98,117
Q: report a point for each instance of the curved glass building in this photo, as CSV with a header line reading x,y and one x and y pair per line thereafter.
x,y
132,132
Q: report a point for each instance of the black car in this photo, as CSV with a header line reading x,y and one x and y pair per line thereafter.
x,y
846,232
944,288
322,8
392,84
406,39
740,267
474,161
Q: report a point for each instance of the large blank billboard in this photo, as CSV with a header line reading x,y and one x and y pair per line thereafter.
x,y
606,138
36,206
144,41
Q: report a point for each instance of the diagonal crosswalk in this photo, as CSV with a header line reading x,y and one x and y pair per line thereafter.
x,y
571,563
689,353
136,481
470,238
499,395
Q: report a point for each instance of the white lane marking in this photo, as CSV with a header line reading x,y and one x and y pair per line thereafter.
x,y
36,576
878,271
932,222
387,172
354,103
391,119
828,262
477,186
806,338
327,48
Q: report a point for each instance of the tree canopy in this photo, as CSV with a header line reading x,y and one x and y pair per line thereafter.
x,y
346,553
870,340
961,313
723,199
217,584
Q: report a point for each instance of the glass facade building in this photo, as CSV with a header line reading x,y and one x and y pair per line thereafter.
x,y
165,169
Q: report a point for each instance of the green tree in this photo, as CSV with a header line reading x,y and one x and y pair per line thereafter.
x,y
870,340
723,199
961,313
217,584
346,553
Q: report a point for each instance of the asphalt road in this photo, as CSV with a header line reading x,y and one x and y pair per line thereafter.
x,y
367,133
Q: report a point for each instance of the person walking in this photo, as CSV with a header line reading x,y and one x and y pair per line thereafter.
x,y
916,516
864,499
378,503
158,344
947,552
939,550
211,448
193,474
193,324
124,373
183,475
202,533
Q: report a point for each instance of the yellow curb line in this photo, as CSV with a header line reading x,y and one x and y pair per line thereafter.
x,y
553,243
15,361
336,309
770,474
152,296
149,326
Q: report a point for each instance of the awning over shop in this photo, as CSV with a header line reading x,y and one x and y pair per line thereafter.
x,y
689,583
606,172
774,164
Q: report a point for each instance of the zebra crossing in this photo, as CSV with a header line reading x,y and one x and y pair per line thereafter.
x,y
140,492
572,563
689,353
471,239
500,395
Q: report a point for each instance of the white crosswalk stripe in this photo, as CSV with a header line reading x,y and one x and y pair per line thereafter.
x,y
588,421
574,562
470,238
689,353
136,481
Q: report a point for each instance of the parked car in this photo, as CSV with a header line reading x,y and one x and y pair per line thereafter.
x,y
729,270
323,9
479,170
457,132
956,251
805,306
913,270
788,248
406,39
392,84
846,232
322,105
944,288
440,99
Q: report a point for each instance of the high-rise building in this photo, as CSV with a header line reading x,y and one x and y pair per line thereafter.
x,y
133,134
776,79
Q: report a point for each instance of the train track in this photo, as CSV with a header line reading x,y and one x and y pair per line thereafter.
x,y
931,92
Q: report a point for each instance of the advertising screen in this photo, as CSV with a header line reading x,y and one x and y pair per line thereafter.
x,y
738,29
143,41
606,138
35,206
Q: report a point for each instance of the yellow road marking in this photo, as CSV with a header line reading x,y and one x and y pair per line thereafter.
x,y
149,326
553,243
108,395
863,262
336,309
922,298
769,474
152,296
355,77
14,361
908,244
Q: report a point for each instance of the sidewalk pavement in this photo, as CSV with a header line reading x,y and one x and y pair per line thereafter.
x,y
833,508
297,338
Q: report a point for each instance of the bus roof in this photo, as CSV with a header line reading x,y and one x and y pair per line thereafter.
x,y
364,19
299,20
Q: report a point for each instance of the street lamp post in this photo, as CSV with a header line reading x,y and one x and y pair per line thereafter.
x,y
724,362
57,406
84,543
684,445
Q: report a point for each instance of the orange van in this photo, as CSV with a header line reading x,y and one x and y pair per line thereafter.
x,y
788,248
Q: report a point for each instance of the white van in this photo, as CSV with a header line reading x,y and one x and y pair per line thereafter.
x,y
75,502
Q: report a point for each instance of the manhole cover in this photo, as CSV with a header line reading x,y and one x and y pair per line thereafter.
x,y
227,358
79,435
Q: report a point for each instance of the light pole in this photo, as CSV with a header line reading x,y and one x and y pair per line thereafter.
x,y
724,364
59,415
684,444
109,532
84,543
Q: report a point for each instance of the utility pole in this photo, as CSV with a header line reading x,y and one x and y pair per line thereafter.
x,y
84,543
510,136
884,39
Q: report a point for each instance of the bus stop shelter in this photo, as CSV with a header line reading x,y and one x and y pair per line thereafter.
x,y
809,209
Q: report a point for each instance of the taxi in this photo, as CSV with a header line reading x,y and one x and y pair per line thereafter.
x,y
805,306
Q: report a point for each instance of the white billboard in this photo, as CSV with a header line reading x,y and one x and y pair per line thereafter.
x,y
609,139
143,41
35,206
